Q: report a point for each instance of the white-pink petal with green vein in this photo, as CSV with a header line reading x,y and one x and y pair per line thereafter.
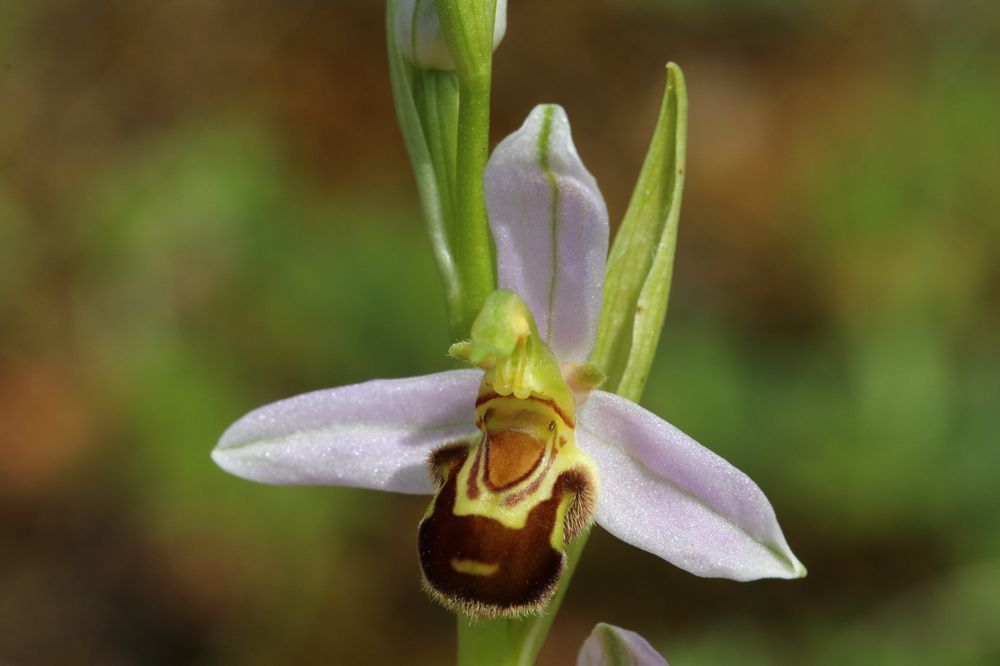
x,y
667,494
377,434
550,226
609,645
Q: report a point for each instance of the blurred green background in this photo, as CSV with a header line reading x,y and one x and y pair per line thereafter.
x,y
206,206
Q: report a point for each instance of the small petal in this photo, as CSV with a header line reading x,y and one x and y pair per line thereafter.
x,y
665,493
609,645
550,225
378,434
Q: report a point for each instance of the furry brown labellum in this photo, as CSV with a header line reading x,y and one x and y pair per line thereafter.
x,y
492,542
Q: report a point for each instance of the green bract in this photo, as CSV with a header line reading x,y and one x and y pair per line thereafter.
x,y
637,285
444,117
427,110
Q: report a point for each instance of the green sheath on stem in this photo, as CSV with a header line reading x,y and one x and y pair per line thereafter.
x,y
426,107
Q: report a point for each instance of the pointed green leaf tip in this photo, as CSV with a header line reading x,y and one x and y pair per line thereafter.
x,y
637,284
505,343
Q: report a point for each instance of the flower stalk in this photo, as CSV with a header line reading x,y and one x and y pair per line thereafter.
x,y
473,246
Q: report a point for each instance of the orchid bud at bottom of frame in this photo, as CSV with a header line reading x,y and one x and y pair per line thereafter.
x,y
609,645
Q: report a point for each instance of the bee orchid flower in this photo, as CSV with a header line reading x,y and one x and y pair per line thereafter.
x,y
523,452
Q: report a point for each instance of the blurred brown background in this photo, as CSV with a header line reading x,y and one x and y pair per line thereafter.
x,y
206,206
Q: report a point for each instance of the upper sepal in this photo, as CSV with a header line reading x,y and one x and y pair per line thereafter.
x,y
550,226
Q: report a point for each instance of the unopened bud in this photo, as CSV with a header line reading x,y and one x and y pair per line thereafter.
x,y
421,40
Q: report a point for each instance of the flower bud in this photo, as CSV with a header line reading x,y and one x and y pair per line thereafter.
x,y
609,645
421,40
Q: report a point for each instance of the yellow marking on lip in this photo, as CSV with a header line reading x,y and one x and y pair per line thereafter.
x,y
474,568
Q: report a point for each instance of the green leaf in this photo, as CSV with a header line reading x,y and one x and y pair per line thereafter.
x,y
637,285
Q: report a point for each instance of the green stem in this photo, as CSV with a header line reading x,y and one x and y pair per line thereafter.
x,y
504,642
484,643
473,247
536,629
